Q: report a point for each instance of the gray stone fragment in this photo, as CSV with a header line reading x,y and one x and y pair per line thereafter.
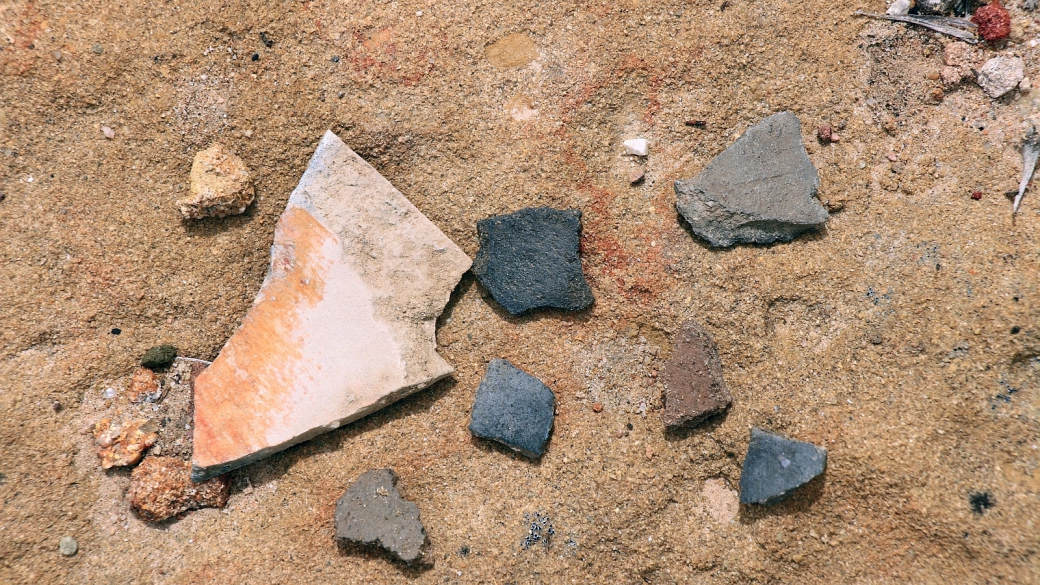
x,y
529,260
760,190
775,466
513,408
371,511
1000,75
68,546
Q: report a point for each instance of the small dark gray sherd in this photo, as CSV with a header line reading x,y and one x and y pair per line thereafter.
x,y
513,408
775,466
760,190
529,260
371,511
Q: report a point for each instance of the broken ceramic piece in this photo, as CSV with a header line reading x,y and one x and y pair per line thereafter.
x,y
372,512
529,260
513,408
694,388
343,325
775,466
760,190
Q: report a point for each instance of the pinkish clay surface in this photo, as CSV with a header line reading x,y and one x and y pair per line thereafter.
x,y
343,325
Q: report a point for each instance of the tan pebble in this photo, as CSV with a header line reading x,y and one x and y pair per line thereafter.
x,y
598,407
221,185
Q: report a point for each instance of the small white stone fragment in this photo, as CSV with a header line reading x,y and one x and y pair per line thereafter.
x,y
899,7
108,132
636,146
1000,75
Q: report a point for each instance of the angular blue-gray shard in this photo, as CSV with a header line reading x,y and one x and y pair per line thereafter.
x,y
775,466
513,408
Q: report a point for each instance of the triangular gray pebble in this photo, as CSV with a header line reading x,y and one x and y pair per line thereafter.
x,y
760,190
775,466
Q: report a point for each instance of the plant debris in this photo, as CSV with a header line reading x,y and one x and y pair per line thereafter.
x,y
955,27
1030,153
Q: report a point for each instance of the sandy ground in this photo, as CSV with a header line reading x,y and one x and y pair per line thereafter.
x,y
904,337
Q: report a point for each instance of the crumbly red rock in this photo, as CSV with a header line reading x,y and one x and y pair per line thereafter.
x,y
161,488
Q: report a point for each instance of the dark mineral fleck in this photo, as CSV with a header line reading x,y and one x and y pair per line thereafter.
x,y
981,501
540,530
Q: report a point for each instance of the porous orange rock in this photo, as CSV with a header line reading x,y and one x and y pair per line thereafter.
x,y
123,444
161,488
144,386
343,325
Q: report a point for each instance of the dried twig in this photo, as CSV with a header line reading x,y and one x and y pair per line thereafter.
x,y
955,27
1030,153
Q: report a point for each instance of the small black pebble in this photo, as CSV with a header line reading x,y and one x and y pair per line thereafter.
x,y
116,331
938,267
256,56
981,501
57,407
1015,330
463,551
1012,298
629,426
4,196
335,59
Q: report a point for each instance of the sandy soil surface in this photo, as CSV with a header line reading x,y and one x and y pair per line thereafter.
x,y
904,337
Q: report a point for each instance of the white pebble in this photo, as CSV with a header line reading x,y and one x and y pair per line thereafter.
x,y
636,146
899,7
109,393
418,12
108,132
